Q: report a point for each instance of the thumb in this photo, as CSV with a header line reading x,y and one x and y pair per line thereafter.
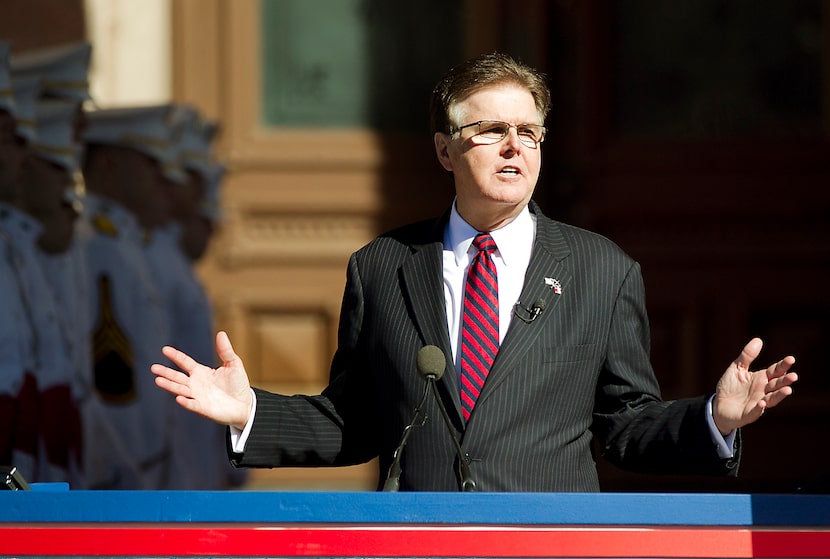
x,y
750,351
224,349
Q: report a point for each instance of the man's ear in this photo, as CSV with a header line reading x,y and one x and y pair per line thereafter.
x,y
442,144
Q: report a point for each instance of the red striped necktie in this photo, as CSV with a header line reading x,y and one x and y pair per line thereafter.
x,y
479,322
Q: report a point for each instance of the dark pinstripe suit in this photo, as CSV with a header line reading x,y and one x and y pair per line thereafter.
x,y
581,368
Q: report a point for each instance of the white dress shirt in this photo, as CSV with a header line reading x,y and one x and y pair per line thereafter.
x,y
514,244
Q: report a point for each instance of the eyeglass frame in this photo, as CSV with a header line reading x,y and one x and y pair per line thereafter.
x,y
508,127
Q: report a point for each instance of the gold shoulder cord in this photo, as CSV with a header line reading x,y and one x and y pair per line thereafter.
x,y
112,353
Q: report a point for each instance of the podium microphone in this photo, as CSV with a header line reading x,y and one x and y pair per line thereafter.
x,y
431,363
393,476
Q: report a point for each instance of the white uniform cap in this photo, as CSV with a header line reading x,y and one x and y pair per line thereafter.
x,y
18,96
174,169
6,94
64,69
144,129
26,94
194,140
54,142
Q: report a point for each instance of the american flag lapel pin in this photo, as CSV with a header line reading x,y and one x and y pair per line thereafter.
x,y
554,284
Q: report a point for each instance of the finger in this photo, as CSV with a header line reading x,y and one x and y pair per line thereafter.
x,y
175,388
166,372
750,351
781,368
189,404
756,411
780,382
180,358
774,398
224,349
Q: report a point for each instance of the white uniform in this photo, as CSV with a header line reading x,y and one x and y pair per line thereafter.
x,y
58,421
199,454
67,276
128,331
18,387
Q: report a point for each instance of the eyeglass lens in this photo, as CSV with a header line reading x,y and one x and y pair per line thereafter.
x,y
491,131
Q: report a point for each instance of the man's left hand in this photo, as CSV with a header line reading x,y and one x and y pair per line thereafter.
x,y
742,395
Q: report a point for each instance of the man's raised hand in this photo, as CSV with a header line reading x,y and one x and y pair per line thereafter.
x,y
222,394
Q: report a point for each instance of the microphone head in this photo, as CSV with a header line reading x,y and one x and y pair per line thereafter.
x,y
431,362
540,304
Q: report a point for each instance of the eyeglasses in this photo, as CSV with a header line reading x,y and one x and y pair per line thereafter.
x,y
494,131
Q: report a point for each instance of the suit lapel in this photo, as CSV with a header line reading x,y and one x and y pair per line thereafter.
x,y
423,289
424,292
547,264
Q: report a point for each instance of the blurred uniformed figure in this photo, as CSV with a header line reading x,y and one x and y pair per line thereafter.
x,y
199,453
62,74
57,436
18,343
125,154
46,174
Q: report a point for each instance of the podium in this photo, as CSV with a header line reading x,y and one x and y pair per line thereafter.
x,y
347,524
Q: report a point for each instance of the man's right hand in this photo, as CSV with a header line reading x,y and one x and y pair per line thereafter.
x,y
222,394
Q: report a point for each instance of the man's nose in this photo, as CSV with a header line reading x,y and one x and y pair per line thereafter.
x,y
512,141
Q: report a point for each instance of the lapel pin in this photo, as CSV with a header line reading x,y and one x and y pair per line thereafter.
x,y
554,284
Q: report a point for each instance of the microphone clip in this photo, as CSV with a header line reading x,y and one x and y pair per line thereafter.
x,y
529,314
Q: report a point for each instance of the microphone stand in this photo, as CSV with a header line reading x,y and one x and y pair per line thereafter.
x,y
468,484
393,477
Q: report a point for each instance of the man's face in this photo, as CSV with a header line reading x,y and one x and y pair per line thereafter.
x,y
188,197
43,184
494,182
195,236
143,188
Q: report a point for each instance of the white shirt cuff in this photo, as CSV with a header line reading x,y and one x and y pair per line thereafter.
x,y
725,444
239,438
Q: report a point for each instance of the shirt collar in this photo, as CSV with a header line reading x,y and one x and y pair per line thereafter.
x,y
512,239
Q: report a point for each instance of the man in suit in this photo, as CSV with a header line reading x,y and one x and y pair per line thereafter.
x,y
569,333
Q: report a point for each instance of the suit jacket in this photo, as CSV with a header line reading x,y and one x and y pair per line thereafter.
x,y
580,370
